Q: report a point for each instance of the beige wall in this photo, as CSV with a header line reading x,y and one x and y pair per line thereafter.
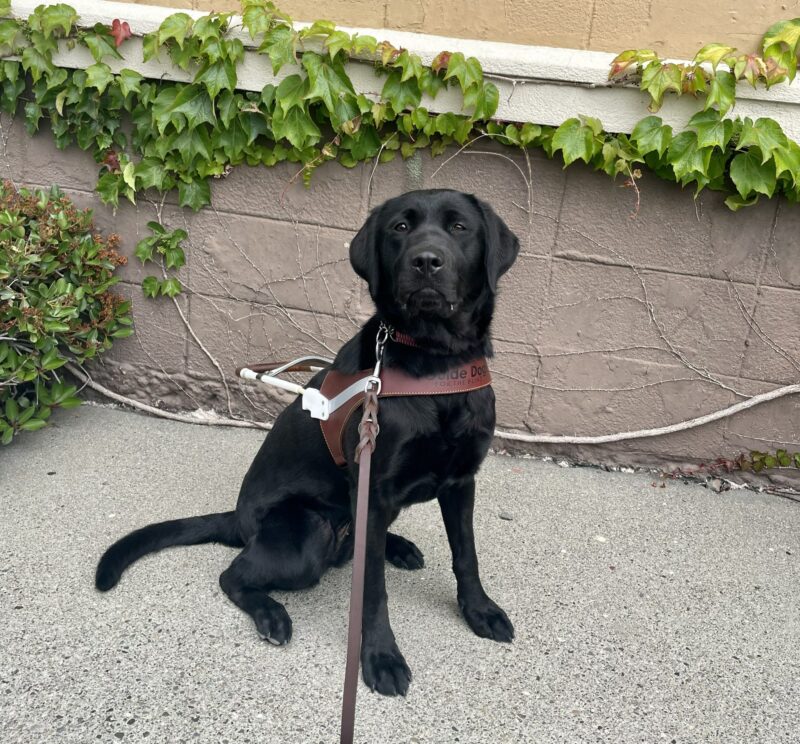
x,y
678,27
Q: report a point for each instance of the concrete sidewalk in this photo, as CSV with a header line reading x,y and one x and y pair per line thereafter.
x,y
643,614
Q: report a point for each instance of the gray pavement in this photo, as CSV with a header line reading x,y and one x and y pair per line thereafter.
x,y
643,614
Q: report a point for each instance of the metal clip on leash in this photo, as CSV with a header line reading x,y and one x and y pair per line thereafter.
x,y
368,432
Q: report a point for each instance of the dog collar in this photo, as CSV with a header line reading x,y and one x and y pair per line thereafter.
x,y
465,378
403,338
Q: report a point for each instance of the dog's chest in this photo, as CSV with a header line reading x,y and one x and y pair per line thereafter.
x,y
437,440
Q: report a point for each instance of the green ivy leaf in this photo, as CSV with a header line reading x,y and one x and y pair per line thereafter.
x,y
5,7
37,64
652,135
468,72
787,160
50,18
338,41
228,107
232,140
766,134
191,143
735,202
291,92
783,32
687,158
195,194
483,99
171,287
220,75
364,43
144,250
319,28
129,81
177,26
195,104
713,53
174,257
658,78
576,141
280,45
327,82
11,37
410,64
210,26
752,174
108,187
365,144
529,133
150,286
99,76
401,95
129,175
256,20
101,43
721,91
712,130
296,126
150,46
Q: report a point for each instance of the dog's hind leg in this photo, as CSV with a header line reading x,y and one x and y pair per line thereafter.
x,y
291,551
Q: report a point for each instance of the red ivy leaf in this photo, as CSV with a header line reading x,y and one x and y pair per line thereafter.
x,y
440,61
111,161
120,31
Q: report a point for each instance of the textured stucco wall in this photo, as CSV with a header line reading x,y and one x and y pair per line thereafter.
x,y
607,322
677,27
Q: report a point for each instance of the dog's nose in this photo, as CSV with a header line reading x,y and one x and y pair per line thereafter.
x,y
427,263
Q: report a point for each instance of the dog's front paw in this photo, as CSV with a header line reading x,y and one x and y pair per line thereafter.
x,y
273,624
385,670
487,620
403,553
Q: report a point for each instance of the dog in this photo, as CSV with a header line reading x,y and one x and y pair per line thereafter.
x,y
431,260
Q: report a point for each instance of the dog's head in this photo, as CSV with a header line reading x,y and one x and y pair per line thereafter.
x,y
433,258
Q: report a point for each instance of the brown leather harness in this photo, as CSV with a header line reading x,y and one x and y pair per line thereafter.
x,y
394,382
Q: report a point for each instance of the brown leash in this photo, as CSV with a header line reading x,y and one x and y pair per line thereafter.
x,y
368,431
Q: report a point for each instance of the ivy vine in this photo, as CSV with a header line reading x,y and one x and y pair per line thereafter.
x,y
183,134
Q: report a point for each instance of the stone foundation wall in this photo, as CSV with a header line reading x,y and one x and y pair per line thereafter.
x,y
611,320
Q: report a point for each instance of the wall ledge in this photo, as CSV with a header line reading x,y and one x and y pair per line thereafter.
x,y
544,85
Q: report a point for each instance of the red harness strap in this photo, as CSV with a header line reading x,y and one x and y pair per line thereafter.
x,y
470,376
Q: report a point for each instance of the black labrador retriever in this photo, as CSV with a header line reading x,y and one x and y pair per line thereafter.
x,y
432,260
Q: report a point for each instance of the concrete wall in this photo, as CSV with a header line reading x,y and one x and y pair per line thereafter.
x,y
609,321
678,27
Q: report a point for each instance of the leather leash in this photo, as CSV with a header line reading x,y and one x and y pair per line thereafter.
x,y
368,431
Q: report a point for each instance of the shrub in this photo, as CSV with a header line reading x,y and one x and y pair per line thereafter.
x,y
55,302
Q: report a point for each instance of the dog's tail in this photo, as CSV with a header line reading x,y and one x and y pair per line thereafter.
x,y
219,528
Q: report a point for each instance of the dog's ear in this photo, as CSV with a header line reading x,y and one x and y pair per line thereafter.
x,y
501,248
364,255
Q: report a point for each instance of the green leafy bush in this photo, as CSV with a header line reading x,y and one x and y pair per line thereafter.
x,y
55,302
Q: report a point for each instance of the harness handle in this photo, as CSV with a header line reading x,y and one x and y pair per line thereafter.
x,y
303,364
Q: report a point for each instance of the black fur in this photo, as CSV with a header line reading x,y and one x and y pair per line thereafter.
x,y
432,260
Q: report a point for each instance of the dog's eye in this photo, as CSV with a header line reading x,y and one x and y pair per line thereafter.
x,y
401,227
457,227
